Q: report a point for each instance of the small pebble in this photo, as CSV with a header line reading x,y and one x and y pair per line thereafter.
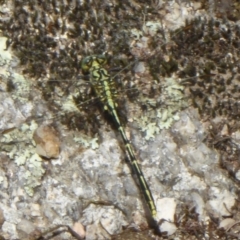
x,y
47,141
79,229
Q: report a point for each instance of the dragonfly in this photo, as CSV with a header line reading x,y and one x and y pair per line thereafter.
x,y
104,87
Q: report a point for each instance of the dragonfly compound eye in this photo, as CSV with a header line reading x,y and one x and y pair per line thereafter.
x,y
86,64
101,59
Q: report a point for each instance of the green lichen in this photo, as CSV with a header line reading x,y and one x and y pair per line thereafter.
x,y
5,56
34,174
171,101
69,105
136,34
151,27
86,141
150,129
21,149
22,88
21,85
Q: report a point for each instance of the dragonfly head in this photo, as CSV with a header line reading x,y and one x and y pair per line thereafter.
x,y
86,64
93,61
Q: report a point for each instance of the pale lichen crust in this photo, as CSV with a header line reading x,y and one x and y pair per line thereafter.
x,y
20,148
172,100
